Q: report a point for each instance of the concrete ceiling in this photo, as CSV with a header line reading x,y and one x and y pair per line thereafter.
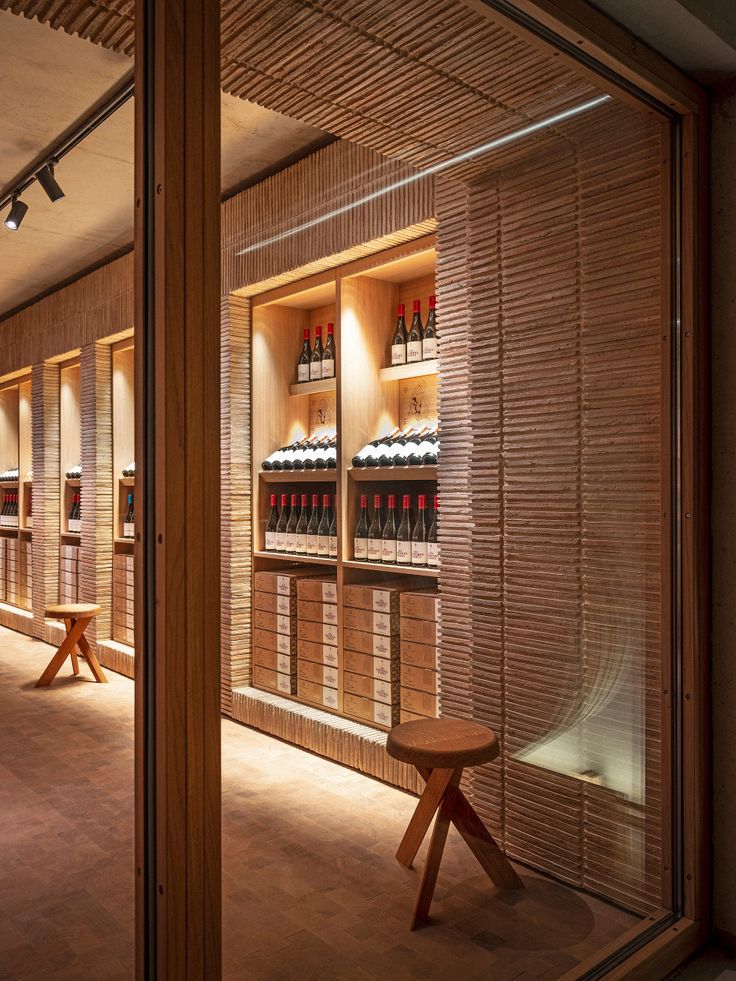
x,y
48,80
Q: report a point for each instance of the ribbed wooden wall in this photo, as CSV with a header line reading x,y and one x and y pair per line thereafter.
x,y
95,563
45,380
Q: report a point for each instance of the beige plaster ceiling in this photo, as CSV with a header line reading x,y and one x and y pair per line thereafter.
x,y
49,80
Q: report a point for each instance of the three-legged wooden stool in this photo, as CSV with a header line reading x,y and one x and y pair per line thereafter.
x,y
76,616
440,749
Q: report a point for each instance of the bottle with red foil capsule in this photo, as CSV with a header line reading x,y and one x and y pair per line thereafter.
x,y
388,538
315,365
271,525
300,537
398,342
416,333
376,530
419,535
323,530
313,526
429,342
291,527
329,355
360,545
433,552
403,535
305,357
283,522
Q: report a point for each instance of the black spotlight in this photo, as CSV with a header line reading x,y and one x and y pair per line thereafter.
x,y
45,178
16,214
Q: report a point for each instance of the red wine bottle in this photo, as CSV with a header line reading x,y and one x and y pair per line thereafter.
x,y
283,522
333,532
429,343
300,543
271,524
433,553
398,343
388,536
419,535
315,365
291,527
329,356
129,520
360,541
403,535
375,531
305,357
323,530
416,333
313,526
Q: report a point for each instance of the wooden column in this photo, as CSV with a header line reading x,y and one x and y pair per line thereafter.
x,y
177,356
95,566
45,456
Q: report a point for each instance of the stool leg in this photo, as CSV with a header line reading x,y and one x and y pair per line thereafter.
x,y
58,659
481,843
434,855
437,782
90,658
73,653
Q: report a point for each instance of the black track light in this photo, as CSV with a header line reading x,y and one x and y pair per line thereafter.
x,y
16,214
45,178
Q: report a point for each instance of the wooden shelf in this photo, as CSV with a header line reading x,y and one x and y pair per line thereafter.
x,y
73,481
9,532
124,541
8,483
313,388
407,570
369,474
76,535
26,531
127,481
399,371
298,476
306,559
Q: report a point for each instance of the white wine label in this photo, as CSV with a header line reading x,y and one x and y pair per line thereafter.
x,y
329,676
315,370
433,554
382,624
329,655
329,634
382,714
388,550
290,540
329,592
328,369
283,645
283,625
280,541
128,529
283,585
413,352
382,692
332,550
300,544
374,549
303,373
360,549
381,601
398,354
429,348
283,605
311,544
283,663
381,646
418,553
329,613
284,683
403,553
329,697
381,668
323,546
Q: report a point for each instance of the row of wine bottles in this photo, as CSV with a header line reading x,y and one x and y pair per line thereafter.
x,y
419,343
310,453
74,473
129,519
318,361
129,471
7,476
412,540
9,513
297,529
409,447
74,520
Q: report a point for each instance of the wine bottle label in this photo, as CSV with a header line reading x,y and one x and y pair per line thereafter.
x,y
418,553
128,529
433,554
315,370
332,550
361,549
311,544
290,540
300,544
388,550
374,549
302,373
413,352
280,541
403,553
329,592
323,546
283,605
382,692
283,683
398,354
328,369
382,714
429,348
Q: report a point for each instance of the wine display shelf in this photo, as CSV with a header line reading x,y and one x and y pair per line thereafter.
x,y
392,474
298,476
390,570
295,559
398,372
312,388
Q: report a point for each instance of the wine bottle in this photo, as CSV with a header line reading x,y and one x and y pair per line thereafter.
x,y
419,535
375,531
404,451
271,524
429,344
403,535
430,453
398,342
313,526
426,444
360,459
270,460
416,333
315,365
320,458
329,354
283,522
323,530
332,551
332,454
388,535
310,453
29,512
129,520
390,448
291,527
305,357
297,462
4,512
360,540
433,552
300,538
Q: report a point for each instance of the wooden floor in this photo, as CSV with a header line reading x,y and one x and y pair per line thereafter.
x,y
311,887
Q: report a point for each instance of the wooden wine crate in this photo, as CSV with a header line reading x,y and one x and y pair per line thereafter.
x,y
385,669
320,674
274,602
421,679
383,598
274,681
320,589
367,643
274,660
320,653
421,605
376,713
385,624
374,688
271,641
317,612
316,694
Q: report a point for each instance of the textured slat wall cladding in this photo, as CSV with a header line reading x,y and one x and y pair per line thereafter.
x,y
45,382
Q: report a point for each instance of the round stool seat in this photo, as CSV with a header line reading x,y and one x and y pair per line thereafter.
x,y
72,611
442,743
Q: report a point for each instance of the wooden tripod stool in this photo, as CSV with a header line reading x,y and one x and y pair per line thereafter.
x,y
76,616
440,749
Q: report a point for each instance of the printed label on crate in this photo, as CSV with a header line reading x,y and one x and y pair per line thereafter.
x,y
329,613
329,676
433,554
329,592
381,646
382,624
302,373
382,691
284,683
398,354
283,585
413,352
382,714
360,549
329,697
283,644
403,553
418,553
329,655
374,549
429,348
382,668
283,604
329,634
381,601
283,624
283,663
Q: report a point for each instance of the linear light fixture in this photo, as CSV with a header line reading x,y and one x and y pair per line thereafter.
x,y
477,151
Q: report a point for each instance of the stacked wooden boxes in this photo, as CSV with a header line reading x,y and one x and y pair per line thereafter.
x,y
317,630
11,571
123,599
274,640
3,588
371,652
25,574
419,668
69,574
